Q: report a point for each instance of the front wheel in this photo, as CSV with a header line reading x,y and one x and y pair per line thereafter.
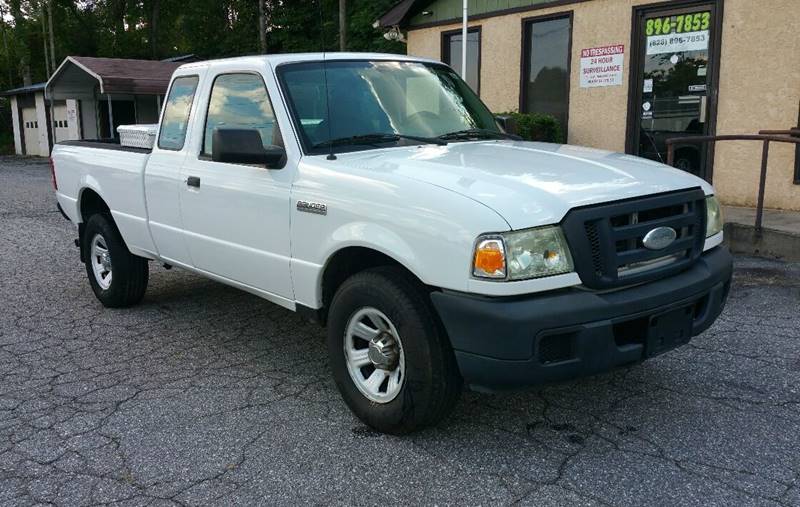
x,y
392,364
118,278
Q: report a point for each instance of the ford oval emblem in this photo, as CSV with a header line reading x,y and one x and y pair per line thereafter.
x,y
659,238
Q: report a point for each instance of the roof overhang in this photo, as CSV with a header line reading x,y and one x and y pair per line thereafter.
x,y
22,90
399,13
72,80
83,77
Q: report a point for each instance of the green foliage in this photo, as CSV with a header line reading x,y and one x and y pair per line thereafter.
x,y
157,29
6,143
6,132
537,127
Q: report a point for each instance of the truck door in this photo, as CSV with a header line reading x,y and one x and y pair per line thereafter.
x,y
236,216
162,178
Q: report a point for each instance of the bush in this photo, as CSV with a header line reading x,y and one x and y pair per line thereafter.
x,y
537,127
6,129
6,143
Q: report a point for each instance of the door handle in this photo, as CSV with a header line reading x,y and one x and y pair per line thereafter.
x,y
193,181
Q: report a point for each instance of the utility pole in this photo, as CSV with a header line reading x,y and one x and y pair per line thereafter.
x,y
52,37
342,25
154,14
262,27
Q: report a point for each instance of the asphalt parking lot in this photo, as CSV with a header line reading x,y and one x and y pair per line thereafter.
x,y
206,395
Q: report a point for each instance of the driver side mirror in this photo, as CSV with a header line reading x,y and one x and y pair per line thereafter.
x,y
244,146
507,123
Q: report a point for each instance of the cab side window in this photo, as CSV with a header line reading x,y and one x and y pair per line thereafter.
x,y
176,113
240,101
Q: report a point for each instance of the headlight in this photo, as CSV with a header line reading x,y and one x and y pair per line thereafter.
x,y
519,255
713,216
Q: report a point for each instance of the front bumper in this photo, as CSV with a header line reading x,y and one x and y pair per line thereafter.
x,y
503,343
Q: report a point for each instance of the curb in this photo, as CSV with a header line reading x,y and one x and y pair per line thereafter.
x,y
769,243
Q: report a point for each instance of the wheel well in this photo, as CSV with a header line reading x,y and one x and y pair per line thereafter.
x,y
92,203
346,263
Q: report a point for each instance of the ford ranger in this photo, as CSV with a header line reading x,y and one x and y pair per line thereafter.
x,y
378,195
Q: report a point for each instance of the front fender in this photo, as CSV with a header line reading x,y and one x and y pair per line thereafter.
x,y
429,230
307,276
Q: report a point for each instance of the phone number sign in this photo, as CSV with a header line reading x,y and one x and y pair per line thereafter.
x,y
677,43
602,66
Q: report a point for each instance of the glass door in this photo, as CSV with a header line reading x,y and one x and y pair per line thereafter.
x,y
674,84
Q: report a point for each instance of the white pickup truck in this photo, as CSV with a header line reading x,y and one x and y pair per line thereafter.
x,y
377,194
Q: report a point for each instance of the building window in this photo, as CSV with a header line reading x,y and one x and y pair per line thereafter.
x,y
240,101
451,54
176,114
546,67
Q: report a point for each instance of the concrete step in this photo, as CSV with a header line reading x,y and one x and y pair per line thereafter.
x,y
779,237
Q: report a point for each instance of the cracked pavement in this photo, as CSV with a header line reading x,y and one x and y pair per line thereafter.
x,y
204,395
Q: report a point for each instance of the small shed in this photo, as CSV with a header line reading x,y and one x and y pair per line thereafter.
x,y
103,93
30,116
88,98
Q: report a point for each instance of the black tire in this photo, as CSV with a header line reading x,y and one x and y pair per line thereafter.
x,y
432,383
130,272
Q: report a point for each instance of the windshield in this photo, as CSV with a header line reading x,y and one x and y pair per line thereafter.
x,y
401,100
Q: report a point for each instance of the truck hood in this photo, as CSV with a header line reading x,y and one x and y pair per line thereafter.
x,y
528,184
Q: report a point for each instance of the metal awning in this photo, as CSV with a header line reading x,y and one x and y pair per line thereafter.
x,y
80,76
23,90
398,14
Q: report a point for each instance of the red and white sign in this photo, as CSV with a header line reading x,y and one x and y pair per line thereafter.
x,y
602,66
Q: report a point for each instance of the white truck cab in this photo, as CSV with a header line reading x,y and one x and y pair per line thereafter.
x,y
377,194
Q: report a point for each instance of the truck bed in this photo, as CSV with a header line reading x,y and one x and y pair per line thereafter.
x,y
116,174
104,144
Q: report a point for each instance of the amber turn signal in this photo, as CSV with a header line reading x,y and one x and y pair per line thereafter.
x,y
490,259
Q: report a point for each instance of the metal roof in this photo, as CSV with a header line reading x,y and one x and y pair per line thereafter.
x,y
399,13
24,89
113,75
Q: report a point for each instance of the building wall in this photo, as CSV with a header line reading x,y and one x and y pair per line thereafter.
x,y
41,117
759,89
88,115
759,83
73,119
17,126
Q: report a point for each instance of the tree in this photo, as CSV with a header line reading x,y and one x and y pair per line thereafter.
x,y
52,38
39,33
342,25
262,27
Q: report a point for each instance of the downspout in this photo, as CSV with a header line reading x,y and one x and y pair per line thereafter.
x,y
110,117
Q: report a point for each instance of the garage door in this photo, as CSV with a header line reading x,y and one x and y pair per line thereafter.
x,y
60,122
30,130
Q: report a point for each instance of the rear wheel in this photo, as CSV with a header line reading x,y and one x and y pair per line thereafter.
x,y
117,277
392,364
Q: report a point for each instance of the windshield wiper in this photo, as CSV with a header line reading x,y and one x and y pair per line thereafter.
x,y
479,134
377,138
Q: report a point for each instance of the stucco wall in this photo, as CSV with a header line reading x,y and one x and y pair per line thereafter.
x,y
759,89
751,97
